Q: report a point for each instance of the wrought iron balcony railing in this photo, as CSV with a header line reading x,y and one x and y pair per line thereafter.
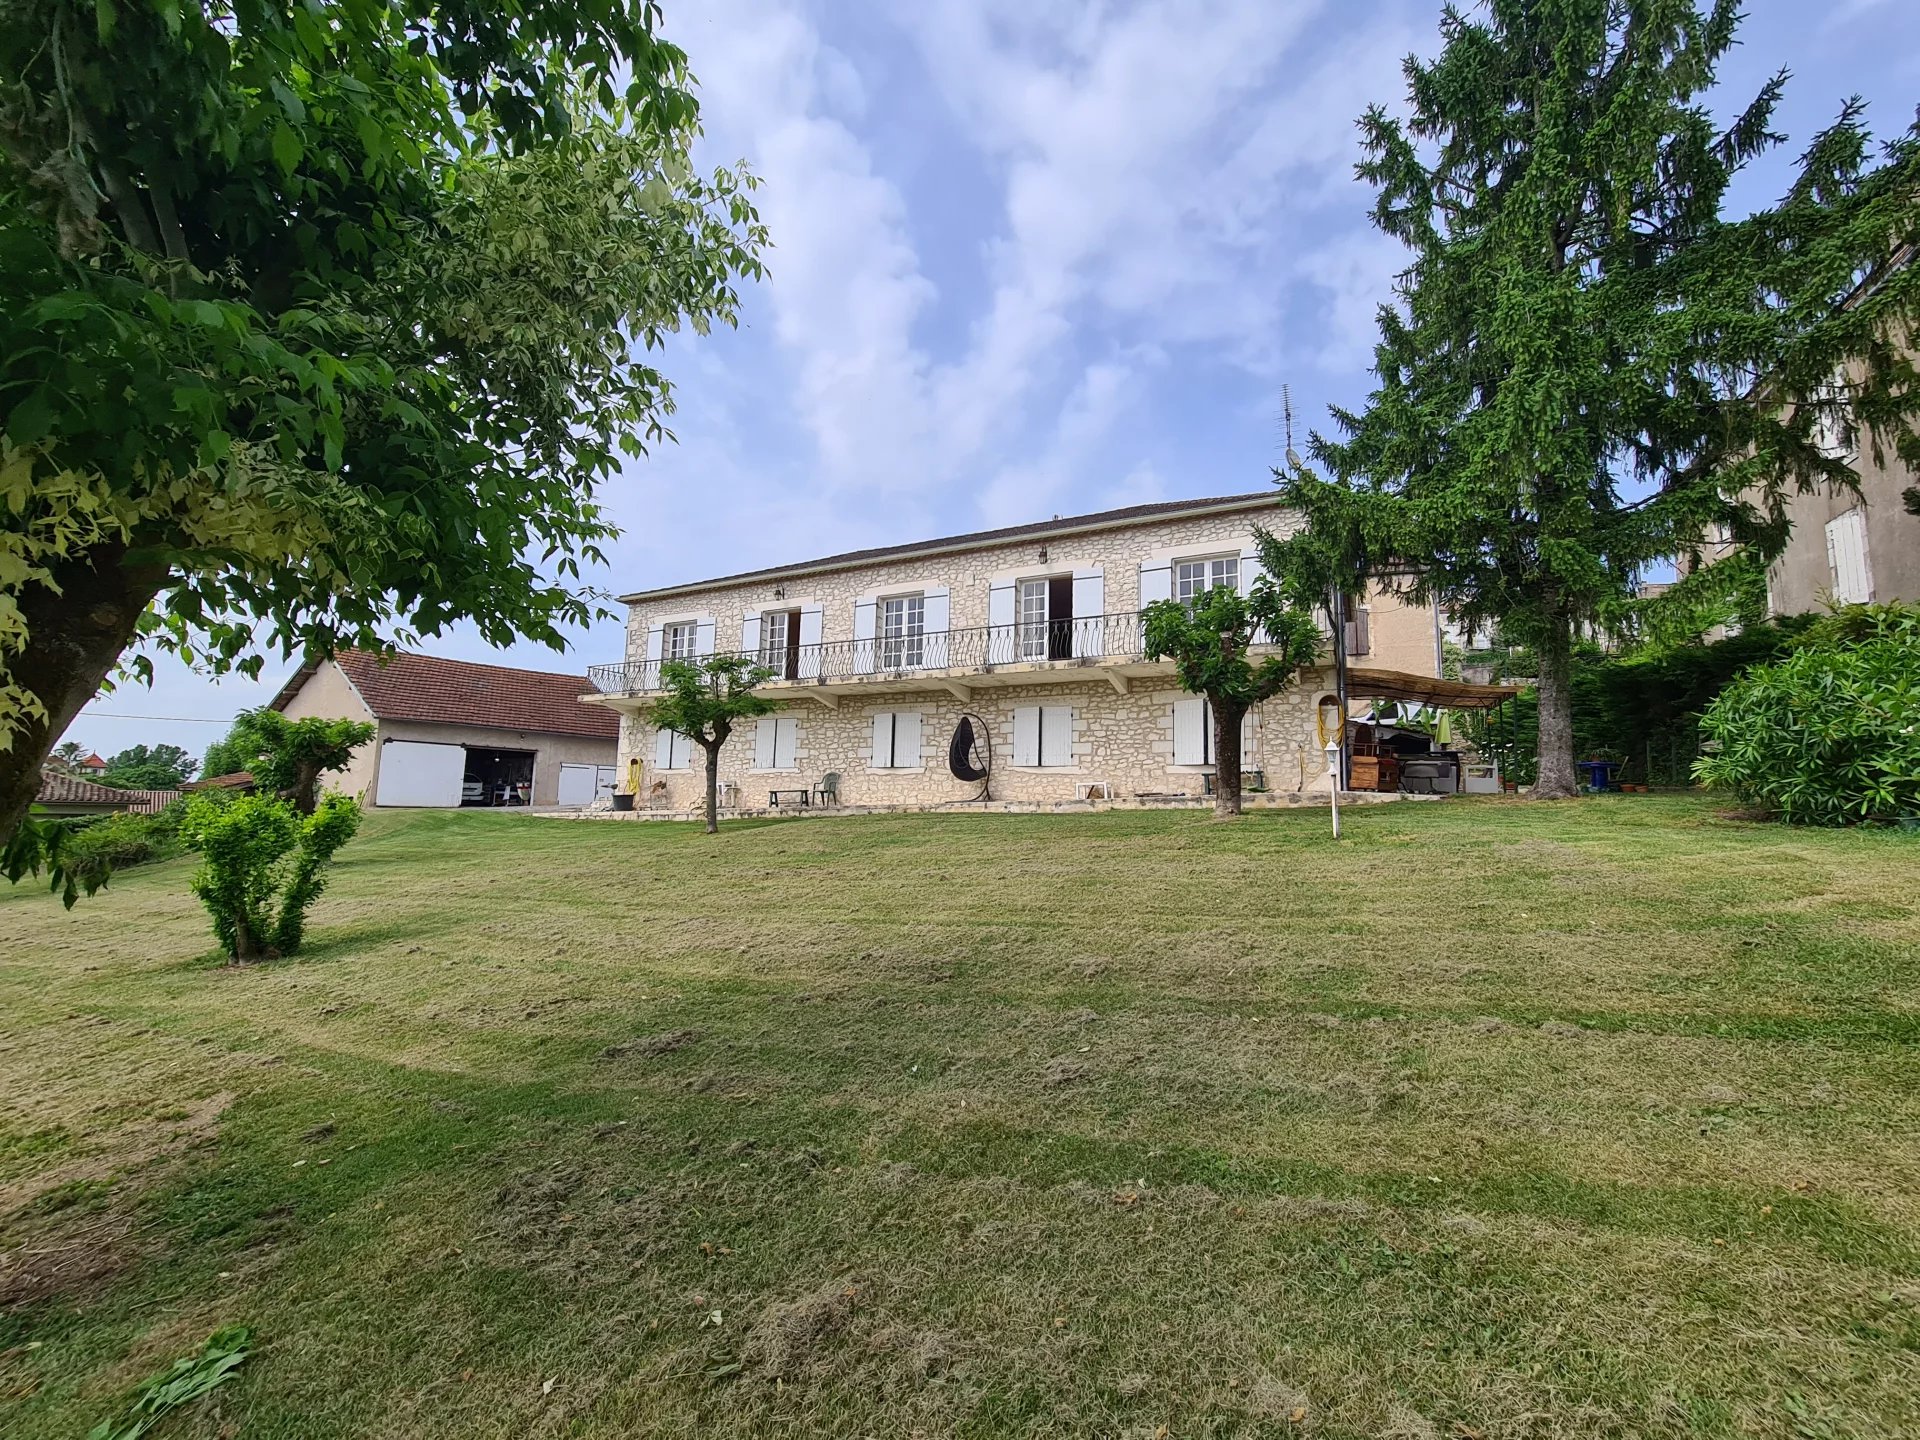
x,y
1092,638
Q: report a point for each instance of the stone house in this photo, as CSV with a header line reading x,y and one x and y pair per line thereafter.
x,y
448,733
1032,631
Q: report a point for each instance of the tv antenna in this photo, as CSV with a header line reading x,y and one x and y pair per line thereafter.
x,y
1294,462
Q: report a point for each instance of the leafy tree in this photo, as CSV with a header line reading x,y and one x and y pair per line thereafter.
x,y
288,757
256,851
233,752
66,756
323,321
1211,643
160,767
1588,366
703,700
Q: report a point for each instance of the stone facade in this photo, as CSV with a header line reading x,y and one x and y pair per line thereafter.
x,y
1122,708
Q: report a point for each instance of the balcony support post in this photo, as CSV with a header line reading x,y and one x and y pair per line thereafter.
x,y
1121,684
962,693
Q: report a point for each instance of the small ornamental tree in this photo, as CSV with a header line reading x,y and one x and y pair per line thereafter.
x,y
263,866
1210,644
704,698
288,757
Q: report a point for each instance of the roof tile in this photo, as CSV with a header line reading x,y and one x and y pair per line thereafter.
x,y
491,697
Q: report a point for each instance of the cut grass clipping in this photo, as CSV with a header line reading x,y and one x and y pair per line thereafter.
x,y
188,1378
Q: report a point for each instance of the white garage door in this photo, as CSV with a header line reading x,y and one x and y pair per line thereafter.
x,y
415,773
583,784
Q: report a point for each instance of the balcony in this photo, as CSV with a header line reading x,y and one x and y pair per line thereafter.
x,y
957,661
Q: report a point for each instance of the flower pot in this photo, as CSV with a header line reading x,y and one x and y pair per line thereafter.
x,y
622,800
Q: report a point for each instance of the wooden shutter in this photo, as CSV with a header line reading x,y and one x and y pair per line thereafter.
x,y
906,739
1847,558
766,743
1190,725
750,634
863,646
1360,631
939,619
1089,605
1001,649
812,618
1026,735
1056,735
882,758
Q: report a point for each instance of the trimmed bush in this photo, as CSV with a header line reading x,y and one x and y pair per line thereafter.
x,y
1830,735
264,865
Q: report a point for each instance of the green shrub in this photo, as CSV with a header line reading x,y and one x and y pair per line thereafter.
x,y
257,851
1830,735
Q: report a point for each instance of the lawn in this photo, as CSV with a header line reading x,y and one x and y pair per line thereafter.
x,y
1494,1119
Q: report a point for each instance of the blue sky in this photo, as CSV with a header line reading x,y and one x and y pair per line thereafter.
x,y
1034,258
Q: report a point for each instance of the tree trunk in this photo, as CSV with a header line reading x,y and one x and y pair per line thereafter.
x,y
74,637
1226,758
306,787
713,784
245,947
1555,778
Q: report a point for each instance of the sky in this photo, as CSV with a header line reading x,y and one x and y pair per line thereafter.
x,y
1033,258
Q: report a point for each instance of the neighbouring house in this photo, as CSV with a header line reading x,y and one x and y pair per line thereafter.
x,y
1032,632
92,765
237,780
70,795
448,733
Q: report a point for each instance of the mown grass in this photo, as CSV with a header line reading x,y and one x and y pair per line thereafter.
x,y
1494,1119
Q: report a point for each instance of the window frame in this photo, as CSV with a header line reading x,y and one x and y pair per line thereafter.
x,y
893,764
906,649
669,630
1211,568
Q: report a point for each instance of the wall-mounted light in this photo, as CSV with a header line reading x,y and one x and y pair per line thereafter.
x,y
1043,554
779,592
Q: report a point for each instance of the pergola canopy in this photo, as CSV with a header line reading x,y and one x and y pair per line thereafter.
x,y
1425,690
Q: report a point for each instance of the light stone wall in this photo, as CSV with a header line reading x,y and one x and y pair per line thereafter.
x,y
1401,635
329,695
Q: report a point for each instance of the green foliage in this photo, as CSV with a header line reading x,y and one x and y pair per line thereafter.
x,y
1588,368
288,757
257,850
187,1379
1829,735
323,320
159,767
703,701
46,847
235,751
1211,641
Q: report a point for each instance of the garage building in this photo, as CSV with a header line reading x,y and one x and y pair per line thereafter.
x,y
450,734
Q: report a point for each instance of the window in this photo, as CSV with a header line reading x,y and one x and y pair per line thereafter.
x,y
1193,578
903,632
1193,733
780,643
1046,618
672,750
1847,558
1833,423
1043,735
1033,619
1360,631
896,740
680,640
776,742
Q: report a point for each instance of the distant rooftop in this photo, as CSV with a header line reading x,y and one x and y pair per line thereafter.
x,y
1058,525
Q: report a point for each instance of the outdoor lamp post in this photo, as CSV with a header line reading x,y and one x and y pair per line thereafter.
x,y
1333,777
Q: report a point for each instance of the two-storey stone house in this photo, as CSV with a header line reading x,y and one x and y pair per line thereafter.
x,y
1032,630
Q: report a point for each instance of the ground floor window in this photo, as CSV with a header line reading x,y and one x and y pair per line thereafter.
x,y
896,740
672,750
1193,733
1043,735
776,742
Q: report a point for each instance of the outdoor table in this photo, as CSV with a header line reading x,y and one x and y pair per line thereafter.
x,y
802,798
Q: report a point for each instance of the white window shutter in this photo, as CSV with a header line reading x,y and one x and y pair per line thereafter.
x,y
766,741
750,633
863,646
1056,735
790,741
882,758
1000,640
1249,567
1847,557
906,739
663,749
1190,721
939,619
811,621
703,636
1248,730
1026,735
654,633
1089,604
1156,582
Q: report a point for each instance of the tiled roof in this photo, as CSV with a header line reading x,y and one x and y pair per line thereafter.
x,y
232,780
1102,520
56,789
455,692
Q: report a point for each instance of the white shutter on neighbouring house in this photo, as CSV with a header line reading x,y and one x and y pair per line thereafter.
x,y
1191,723
1089,606
1026,735
811,618
1056,735
750,633
1847,558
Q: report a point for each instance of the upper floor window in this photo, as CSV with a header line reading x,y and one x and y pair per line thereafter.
x,y
680,640
1046,618
780,643
903,631
1193,578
